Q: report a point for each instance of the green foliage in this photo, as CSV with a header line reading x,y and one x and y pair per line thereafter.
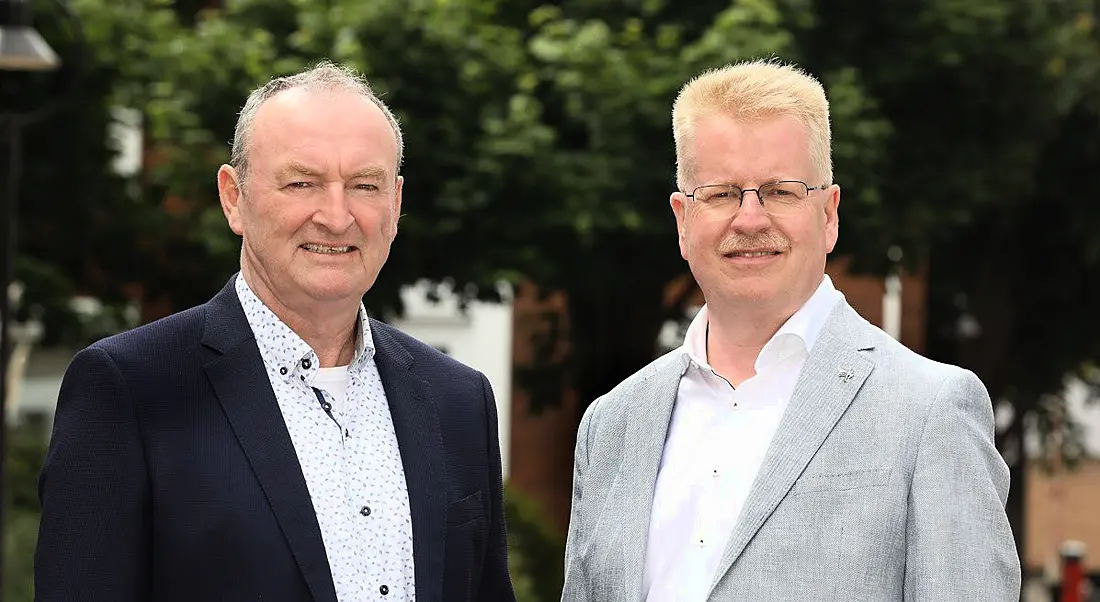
x,y
25,453
540,149
535,550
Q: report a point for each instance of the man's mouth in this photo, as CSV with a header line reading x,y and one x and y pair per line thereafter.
x,y
751,254
327,249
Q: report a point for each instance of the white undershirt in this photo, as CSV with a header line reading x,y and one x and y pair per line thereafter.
x,y
716,443
333,381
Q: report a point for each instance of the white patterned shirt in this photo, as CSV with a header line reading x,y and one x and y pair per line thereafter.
x,y
347,449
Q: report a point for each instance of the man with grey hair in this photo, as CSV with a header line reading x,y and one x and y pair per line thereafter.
x,y
276,443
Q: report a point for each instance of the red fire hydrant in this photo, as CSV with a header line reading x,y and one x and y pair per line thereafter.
x,y
1073,571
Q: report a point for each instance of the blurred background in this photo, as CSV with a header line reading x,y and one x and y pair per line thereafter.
x,y
538,245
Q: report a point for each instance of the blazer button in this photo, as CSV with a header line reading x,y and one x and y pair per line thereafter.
x,y
365,511
383,590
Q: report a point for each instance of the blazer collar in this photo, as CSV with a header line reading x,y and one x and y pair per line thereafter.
x,y
419,439
831,377
624,526
226,325
241,383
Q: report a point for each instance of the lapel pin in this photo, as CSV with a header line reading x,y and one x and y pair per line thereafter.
x,y
846,374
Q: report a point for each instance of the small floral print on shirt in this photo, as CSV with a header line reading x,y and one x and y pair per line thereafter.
x,y
350,459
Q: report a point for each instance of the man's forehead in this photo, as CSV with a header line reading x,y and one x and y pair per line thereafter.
x,y
743,150
300,129
336,110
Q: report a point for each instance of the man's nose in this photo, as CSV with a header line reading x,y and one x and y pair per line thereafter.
x,y
752,216
334,212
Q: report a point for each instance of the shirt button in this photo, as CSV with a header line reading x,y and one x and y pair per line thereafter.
x,y
365,511
326,405
306,363
282,370
384,590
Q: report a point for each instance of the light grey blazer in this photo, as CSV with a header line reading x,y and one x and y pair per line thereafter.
x,y
882,484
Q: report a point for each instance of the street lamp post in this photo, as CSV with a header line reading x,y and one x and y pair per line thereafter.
x,y
21,49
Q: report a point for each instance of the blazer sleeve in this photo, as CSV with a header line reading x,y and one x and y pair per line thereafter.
x,y
575,589
496,581
959,542
93,539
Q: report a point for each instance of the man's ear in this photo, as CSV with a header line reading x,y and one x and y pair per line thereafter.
x,y
678,201
832,217
229,193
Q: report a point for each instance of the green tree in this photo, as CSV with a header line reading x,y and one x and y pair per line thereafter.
x,y
539,149
994,114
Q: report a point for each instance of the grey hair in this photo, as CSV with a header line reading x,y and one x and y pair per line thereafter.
x,y
324,76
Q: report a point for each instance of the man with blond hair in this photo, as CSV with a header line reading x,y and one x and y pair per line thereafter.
x,y
789,450
276,443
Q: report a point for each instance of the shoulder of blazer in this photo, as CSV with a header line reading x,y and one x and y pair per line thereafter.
x,y
900,370
220,320
182,329
626,396
409,351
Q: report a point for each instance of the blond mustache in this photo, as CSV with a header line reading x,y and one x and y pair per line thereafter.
x,y
743,243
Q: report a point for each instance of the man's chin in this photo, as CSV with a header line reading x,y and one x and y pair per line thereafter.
x,y
334,288
750,287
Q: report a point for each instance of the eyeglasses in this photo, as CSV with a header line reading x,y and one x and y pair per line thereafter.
x,y
778,198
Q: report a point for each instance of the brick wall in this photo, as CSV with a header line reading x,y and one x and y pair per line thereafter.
x,y
1060,506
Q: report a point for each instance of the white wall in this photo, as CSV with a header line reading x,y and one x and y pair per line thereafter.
x,y
480,338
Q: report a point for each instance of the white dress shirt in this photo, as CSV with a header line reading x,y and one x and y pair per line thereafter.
x,y
339,422
716,443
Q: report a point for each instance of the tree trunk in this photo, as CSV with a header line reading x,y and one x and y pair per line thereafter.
x,y
613,335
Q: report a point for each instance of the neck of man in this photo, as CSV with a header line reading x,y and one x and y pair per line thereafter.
x,y
329,329
735,339
737,333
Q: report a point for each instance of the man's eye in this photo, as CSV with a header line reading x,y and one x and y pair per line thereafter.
x,y
298,185
367,187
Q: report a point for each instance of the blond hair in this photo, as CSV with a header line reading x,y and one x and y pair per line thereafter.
x,y
752,91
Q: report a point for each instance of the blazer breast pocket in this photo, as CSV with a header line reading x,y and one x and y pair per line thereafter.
x,y
465,510
841,481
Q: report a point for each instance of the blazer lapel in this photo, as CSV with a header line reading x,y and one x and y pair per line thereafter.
x,y
625,520
240,381
830,379
416,423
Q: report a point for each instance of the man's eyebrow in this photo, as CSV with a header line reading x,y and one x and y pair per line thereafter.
x,y
297,169
372,172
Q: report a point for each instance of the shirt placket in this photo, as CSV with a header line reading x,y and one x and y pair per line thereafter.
x,y
332,450
367,507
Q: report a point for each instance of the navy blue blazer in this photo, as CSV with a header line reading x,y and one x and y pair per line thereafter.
x,y
171,475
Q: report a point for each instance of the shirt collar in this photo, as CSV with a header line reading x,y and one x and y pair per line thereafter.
x,y
798,333
287,352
